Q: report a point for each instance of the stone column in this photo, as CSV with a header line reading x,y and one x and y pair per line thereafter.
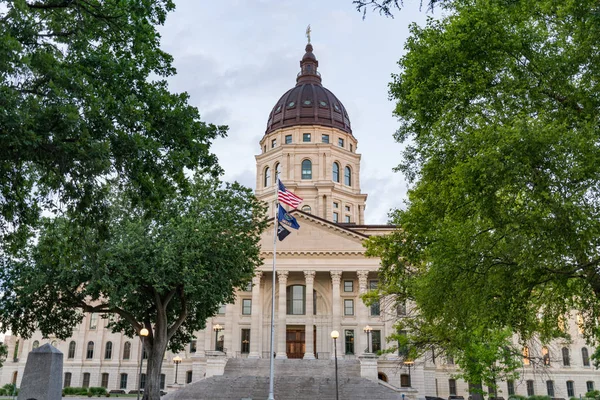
x,y
282,313
255,323
309,353
362,313
336,320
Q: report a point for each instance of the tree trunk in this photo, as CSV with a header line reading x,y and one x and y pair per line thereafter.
x,y
156,352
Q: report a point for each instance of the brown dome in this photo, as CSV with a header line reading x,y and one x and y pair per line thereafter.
x,y
308,103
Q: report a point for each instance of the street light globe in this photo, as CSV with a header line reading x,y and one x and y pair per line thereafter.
x,y
335,334
177,359
144,332
217,328
367,329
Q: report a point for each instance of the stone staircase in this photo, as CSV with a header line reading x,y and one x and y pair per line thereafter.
x,y
246,379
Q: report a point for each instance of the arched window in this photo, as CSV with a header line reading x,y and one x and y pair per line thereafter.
x,y
347,176
296,300
90,350
126,350
585,357
306,209
565,355
545,356
36,344
335,171
108,351
277,173
267,177
306,169
71,353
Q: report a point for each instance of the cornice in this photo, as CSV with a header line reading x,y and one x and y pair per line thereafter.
x,y
315,253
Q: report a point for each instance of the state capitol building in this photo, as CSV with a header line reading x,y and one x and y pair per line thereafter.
x,y
321,273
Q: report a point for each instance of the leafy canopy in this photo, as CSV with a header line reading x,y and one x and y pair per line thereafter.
x,y
499,113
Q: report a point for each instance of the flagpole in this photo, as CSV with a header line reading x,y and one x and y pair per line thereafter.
x,y
271,353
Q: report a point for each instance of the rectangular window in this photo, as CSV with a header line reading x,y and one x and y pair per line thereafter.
x,y
530,390
452,386
221,309
347,219
375,341
348,286
306,137
86,380
349,339
248,287
246,307
162,381
341,142
335,217
348,307
245,341
401,308
93,321
510,386
325,138
123,384
143,381
67,379
193,346
347,208
188,377
589,385
375,308
550,388
402,344
288,139
350,146
273,143
336,205
104,380
295,299
570,389
404,380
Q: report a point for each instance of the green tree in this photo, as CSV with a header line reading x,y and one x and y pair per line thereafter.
x,y
84,104
3,353
167,272
499,113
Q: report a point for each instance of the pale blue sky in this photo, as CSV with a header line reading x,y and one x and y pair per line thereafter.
x,y
236,58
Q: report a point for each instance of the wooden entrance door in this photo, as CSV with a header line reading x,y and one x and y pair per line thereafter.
x,y
295,343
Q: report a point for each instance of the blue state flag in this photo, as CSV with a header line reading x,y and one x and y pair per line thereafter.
x,y
287,219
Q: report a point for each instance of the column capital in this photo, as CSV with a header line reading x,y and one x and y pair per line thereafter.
x,y
336,276
362,279
309,277
256,278
282,276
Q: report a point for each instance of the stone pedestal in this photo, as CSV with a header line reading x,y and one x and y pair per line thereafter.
x,y
42,379
368,366
215,363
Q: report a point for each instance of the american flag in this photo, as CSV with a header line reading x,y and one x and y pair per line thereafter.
x,y
287,197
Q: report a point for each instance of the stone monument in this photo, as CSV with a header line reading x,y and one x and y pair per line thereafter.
x,y
42,379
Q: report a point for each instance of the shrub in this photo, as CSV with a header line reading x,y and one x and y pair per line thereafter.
x,y
539,397
97,391
517,397
593,394
75,390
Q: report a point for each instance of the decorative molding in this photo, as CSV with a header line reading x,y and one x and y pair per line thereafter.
x,y
353,253
336,276
282,276
362,280
256,278
309,276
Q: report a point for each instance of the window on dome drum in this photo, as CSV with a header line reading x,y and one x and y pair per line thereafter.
x,y
530,388
126,350
347,219
273,143
350,147
526,355
306,169
550,388
35,345
565,355
349,336
277,173
104,380
246,307
193,346
375,341
67,379
510,387
348,307
188,377
335,172
585,357
335,217
306,209
108,351
90,351
267,177
325,138
296,300
306,137
93,320
348,286
265,148
340,142
452,387
288,139
86,380
589,385
71,353
347,176
570,389
375,307
245,345
123,384
143,381
545,356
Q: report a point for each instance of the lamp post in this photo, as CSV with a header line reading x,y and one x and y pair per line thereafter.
x,y
217,328
177,361
409,363
334,336
143,333
367,329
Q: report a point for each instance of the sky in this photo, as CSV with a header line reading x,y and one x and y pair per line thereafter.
x,y
235,58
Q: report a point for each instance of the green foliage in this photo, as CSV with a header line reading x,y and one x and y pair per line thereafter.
x,y
3,353
8,390
539,397
75,391
499,112
593,394
517,397
85,104
98,391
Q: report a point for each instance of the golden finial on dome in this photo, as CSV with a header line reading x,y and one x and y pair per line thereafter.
x,y
308,33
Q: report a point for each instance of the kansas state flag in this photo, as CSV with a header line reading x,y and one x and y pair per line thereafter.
x,y
287,219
